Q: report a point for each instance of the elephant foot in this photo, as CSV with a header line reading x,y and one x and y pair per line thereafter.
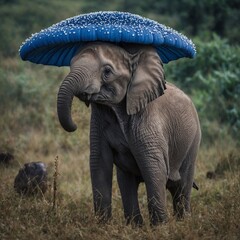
x,y
135,221
158,216
104,215
181,205
179,209
158,220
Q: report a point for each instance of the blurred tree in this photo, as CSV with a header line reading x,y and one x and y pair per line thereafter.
x,y
21,18
208,15
7,1
93,5
203,17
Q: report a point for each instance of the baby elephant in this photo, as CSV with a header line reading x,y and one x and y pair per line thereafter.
x,y
148,129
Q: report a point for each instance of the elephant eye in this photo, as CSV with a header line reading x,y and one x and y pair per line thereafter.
x,y
107,72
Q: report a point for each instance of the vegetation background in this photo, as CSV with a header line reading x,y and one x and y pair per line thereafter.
x,y
29,128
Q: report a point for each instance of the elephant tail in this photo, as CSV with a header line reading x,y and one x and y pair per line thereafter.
x,y
195,186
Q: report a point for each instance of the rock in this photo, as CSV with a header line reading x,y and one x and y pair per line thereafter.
x,y
6,158
211,175
31,179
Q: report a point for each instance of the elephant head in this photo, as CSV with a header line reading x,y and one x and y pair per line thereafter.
x,y
106,74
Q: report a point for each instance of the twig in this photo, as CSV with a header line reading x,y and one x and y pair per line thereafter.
x,y
55,182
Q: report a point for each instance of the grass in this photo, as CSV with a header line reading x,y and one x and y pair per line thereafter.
x,y
215,208
31,132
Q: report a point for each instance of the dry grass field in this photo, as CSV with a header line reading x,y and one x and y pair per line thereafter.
x,y
31,132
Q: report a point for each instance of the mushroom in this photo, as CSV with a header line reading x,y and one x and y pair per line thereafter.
x,y
58,44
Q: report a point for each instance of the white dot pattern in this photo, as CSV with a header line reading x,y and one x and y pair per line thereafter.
x,y
57,44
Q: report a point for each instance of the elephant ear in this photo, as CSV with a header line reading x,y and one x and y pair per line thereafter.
x,y
147,83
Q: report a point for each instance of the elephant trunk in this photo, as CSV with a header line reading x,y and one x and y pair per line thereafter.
x,y
70,87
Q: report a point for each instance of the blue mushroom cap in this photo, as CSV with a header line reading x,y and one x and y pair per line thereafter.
x,y
57,44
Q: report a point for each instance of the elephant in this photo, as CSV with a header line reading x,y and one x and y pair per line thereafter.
x,y
148,128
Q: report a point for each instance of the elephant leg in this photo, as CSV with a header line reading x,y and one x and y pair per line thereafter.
x,y
181,192
101,167
176,190
187,182
152,161
156,191
128,184
187,175
153,167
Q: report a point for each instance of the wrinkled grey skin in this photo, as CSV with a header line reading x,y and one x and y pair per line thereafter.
x,y
149,130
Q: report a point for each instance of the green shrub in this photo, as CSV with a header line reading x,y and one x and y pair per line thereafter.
x,y
212,79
